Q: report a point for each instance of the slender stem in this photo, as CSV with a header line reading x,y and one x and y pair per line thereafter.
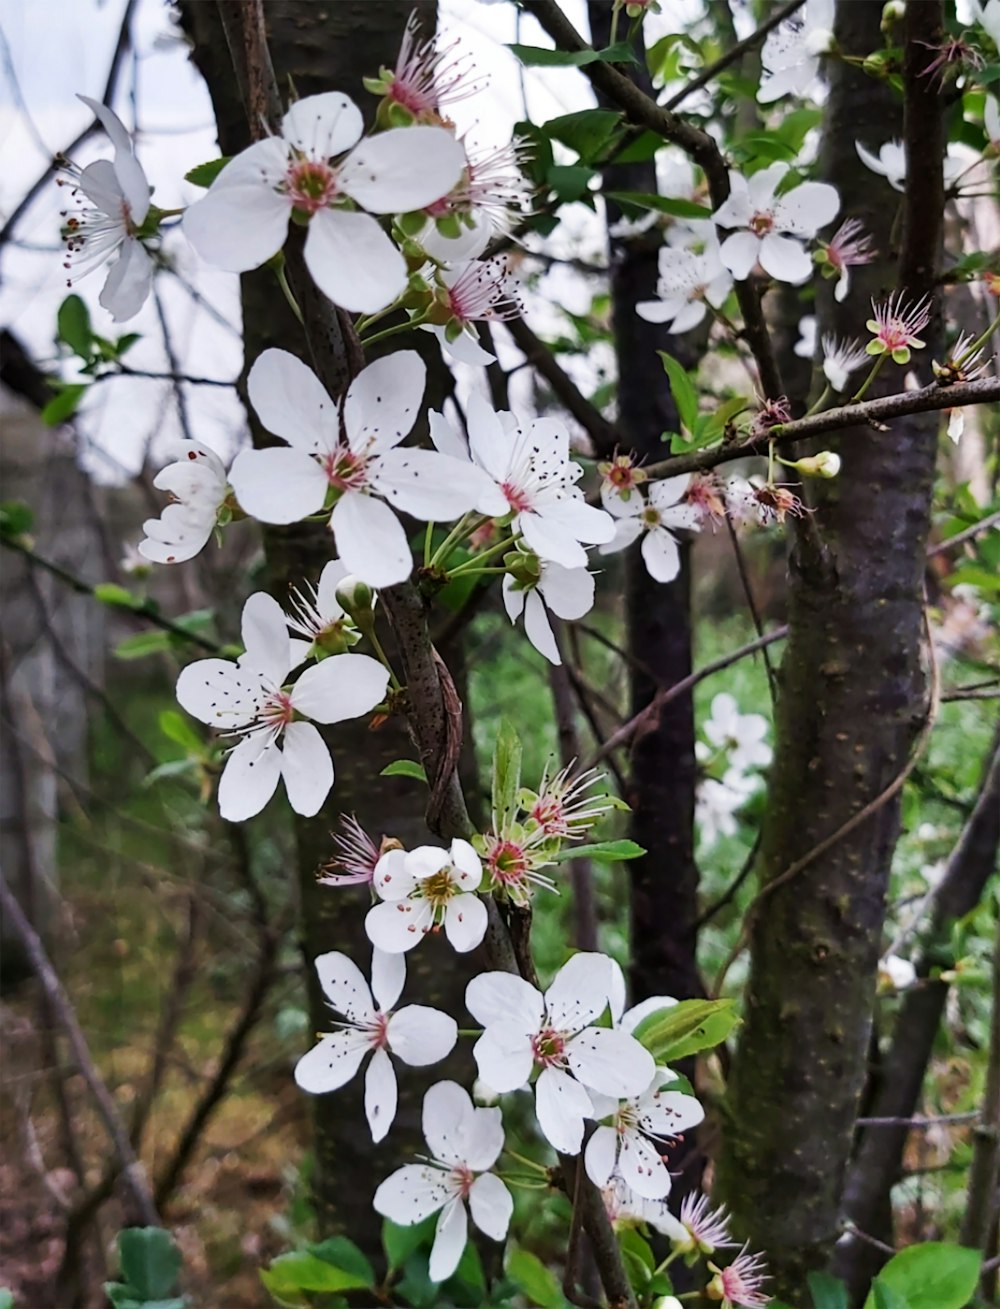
x,y
428,544
282,277
454,536
978,343
870,378
473,565
391,331
382,656
613,37
523,1159
820,403
662,1267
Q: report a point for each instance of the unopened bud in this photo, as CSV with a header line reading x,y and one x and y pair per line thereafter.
x,y
356,598
825,464
667,1302
483,1093
875,64
892,13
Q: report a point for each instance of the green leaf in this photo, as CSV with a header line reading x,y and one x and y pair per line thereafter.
x,y
118,597
126,342
684,1029
570,181
932,1275
536,56
142,644
712,426
345,1255
73,326
405,768
63,404
150,1261
291,1274
400,1242
532,1277
602,852
177,728
638,1256
827,1292
586,131
169,768
16,518
682,389
506,774
884,1297
205,174
663,204
6,1298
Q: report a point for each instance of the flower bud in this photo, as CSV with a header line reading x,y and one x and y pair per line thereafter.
x,y
483,1093
356,598
892,13
411,224
667,1302
875,64
825,464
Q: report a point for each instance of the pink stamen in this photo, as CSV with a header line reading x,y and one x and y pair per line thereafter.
x,y
311,185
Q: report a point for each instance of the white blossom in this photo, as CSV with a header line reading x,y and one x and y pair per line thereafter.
x,y
526,1030
687,279
741,736
895,973
790,55
771,227
890,163
249,699
372,1024
656,520
424,889
624,1147
243,220
107,229
567,592
805,346
841,358
717,803
465,1142
198,486
988,17
363,467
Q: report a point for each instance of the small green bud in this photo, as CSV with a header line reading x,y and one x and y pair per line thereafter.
x,y
412,224
825,464
450,225
356,598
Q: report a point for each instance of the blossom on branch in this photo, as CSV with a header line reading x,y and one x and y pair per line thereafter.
x,y
537,585
849,247
841,358
896,323
624,1147
791,53
198,486
771,227
740,736
372,1025
423,890
740,1285
687,280
656,520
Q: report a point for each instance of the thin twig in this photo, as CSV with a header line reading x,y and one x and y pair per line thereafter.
x,y
967,534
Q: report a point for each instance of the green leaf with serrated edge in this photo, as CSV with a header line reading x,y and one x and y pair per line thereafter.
x,y
73,326
601,852
827,1292
142,645
405,768
536,56
506,774
587,131
150,1261
931,1275
205,174
345,1255
686,1028
64,404
301,1271
663,204
682,389
533,1278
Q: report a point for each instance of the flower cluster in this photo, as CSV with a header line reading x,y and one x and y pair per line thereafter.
x,y
733,748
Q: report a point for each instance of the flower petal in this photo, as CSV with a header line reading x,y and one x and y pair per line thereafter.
x,y
504,1056
807,208
265,637
739,253
492,1206
610,1061
340,687
353,262
323,126
220,693
403,169
580,993
243,219
370,540
129,281
332,1062
465,922
503,997
661,554
669,1113
383,401
431,486
398,925
419,1035
601,1155
561,1105
568,592
249,779
642,1168
306,768
447,1107
278,485
292,402
393,879
380,1095
450,1234
785,258
411,1194
344,985
482,1138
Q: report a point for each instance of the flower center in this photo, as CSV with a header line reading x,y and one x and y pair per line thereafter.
x,y
626,1119
379,1030
508,863
439,888
894,335
549,1047
517,497
651,516
762,222
277,710
548,814
345,470
311,185
463,1177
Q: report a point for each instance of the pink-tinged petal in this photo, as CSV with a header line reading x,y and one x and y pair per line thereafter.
x,y
421,1036
538,629
446,1111
353,262
340,687
504,1057
243,219
371,541
465,921
610,1061
265,637
129,281
411,1194
568,592
249,779
807,208
669,1113
323,126
785,259
344,985
393,879
561,1105
380,1095
661,554
332,1062
278,485
306,768
220,693
449,1235
580,993
383,401
492,1206
601,1155
291,401
398,925
482,1138
642,1168
403,169
503,997
432,487
739,253
388,976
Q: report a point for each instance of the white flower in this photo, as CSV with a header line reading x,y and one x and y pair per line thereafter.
x,y
464,1142
764,217
805,346
687,279
625,1148
318,615
740,735
415,1034
841,358
716,804
790,55
243,220
988,17
197,482
625,1208
480,291
568,592
890,163
896,974
285,485
655,521
422,890
249,699
525,1030
489,196
531,467
119,195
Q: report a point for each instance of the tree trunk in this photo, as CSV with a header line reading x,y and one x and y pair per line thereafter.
x,y
320,48
852,699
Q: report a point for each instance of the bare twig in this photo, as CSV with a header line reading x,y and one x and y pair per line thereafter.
x,y
967,534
